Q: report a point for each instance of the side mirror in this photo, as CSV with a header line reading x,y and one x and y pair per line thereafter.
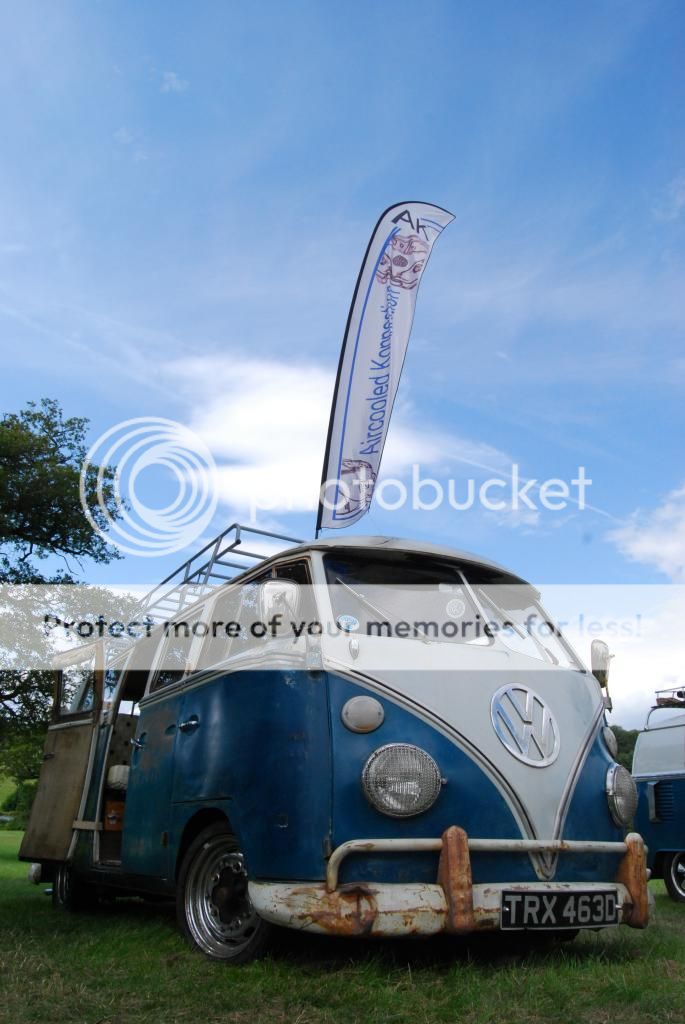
x,y
600,656
279,597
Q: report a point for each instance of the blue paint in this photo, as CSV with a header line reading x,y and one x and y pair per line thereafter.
x,y
667,833
270,752
148,799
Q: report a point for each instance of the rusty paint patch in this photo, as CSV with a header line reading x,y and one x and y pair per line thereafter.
x,y
454,875
349,911
632,872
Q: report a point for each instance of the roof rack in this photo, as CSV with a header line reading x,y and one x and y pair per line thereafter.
x,y
214,563
673,698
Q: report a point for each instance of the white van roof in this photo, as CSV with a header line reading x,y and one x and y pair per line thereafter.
x,y
400,544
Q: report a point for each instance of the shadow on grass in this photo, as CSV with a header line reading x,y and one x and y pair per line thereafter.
x,y
308,951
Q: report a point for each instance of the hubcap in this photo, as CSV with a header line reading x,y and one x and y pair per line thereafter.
x,y
678,873
219,913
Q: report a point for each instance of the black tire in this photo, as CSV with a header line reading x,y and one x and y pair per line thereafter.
x,y
674,876
213,908
69,893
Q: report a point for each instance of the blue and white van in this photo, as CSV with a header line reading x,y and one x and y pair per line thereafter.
x,y
423,753
659,771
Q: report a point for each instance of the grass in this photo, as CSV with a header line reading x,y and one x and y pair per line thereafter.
x,y
126,962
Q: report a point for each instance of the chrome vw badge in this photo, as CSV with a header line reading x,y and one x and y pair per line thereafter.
x,y
525,725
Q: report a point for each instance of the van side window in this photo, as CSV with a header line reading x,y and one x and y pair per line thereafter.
x,y
77,689
299,573
223,626
250,637
173,664
142,659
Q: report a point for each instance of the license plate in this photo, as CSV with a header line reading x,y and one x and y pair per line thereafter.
x,y
554,910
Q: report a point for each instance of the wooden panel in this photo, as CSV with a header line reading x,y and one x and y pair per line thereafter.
x,y
59,793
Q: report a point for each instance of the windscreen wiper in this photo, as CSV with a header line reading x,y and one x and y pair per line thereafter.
x,y
379,611
525,634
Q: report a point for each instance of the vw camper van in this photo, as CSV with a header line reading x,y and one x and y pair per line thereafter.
x,y
405,745
659,771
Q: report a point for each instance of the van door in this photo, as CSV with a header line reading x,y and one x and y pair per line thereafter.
x,y
145,844
66,758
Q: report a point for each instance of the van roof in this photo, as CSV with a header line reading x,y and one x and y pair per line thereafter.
x,y
232,549
400,544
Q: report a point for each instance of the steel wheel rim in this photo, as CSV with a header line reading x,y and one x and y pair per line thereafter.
x,y
677,873
62,884
220,916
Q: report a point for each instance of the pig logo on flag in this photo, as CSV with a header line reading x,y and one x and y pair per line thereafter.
x,y
357,480
402,262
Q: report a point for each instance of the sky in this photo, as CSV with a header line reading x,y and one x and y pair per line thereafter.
x,y
186,194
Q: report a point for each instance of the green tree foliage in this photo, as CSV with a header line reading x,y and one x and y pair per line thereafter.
x,y
626,745
41,458
41,518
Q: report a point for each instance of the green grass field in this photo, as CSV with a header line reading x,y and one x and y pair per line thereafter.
x,y
126,962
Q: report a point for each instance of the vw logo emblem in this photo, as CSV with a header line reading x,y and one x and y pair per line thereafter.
x,y
525,725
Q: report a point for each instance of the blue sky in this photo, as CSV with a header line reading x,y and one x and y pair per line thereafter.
x,y
186,192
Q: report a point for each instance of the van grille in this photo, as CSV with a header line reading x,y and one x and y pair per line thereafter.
x,y
664,803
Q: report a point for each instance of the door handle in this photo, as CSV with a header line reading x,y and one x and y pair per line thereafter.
x,y
136,743
191,723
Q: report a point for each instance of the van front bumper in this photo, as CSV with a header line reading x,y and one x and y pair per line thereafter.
x,y
453,904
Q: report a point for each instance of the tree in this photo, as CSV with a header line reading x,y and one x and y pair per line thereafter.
x,y
626,745
41,460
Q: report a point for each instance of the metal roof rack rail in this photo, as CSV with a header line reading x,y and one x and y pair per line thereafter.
x,y
673,698
215,563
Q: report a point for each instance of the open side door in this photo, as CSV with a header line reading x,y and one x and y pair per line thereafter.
x,y
67,754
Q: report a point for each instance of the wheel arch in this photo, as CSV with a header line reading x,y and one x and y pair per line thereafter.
x,y
201,820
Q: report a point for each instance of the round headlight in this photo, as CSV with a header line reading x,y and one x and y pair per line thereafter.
x,y
401,780
610,740
621,794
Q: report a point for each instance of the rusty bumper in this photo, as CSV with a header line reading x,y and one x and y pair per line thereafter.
x,y
453,904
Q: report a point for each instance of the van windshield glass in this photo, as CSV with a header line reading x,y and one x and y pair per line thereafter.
x,y
515,615
421,597
415,598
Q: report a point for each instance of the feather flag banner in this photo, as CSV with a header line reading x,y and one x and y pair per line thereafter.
x,y
373,350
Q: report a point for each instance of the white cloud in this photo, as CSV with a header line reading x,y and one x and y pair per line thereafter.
x,y
265,422
526,520
657,538
672,202
171,82
123,137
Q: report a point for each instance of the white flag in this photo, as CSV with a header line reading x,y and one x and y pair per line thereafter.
x,y
372,356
